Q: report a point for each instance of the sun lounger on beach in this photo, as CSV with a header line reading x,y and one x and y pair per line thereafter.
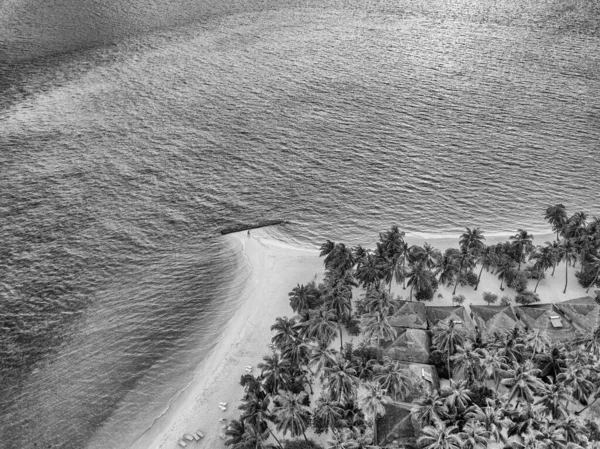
x,y
182,443
224,404
199,434
223,419
222,407
223,436
188,436
248,366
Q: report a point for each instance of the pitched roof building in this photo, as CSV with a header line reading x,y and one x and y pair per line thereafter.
x,y
410,345
411,314
397,425
445,314
546,317
583,313
492,320
425,379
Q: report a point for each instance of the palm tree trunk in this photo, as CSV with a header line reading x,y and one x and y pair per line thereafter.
x,y
278,442
566,276
553,268
403,276
594,281
304,434
501,282
588,406
449,373
457,279
536,284
375,429
341,340
411,291
479,277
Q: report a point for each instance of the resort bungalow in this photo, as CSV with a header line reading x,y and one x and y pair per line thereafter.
x,y
445,314
491,320
583,313
425,379
411,314
396,427
411,345
545,317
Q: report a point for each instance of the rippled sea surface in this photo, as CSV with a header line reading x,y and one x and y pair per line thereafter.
x,y
120,163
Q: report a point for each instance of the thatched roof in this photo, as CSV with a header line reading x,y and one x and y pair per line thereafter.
x,y
397,425
410,314
411,345
583,313
425,379
542,317
458,314
494,319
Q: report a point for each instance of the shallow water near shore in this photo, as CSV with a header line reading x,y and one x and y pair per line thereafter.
x,y
121,163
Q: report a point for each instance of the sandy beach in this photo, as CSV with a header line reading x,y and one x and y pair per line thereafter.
x,y
275,269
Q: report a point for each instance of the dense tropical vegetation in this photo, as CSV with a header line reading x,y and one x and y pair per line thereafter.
x,y
511,390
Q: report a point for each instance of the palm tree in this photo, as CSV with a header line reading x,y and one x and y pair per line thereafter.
x,y
329,414
464,259
321,326
339,300
235,431
393,379
274,372
504,270
341,381
255,411
338,257
487,258
285,332
440,437
446,338
554,363
431,256
474,435
429,409
537,341
457,395
544,259
522,245
303,297
322,357
523,383
418,277
491,417
369,273
554,249
372,403
576,379
574,430
394,248
576,225
292,415
255,439
557,217
472,240
467,361
447,267
376,324
555,399
593,264
493,366
568,252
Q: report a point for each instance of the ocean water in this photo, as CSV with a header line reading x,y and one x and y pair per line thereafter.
x,y
120,163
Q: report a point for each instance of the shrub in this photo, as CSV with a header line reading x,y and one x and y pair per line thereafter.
x,y
300,444
479,393
490,297
518,281
468,278
527,297
439,359
505,300
352,325
586,276
533,273
458,299
425,294
593,428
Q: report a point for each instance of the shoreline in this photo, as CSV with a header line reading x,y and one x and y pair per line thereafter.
x,y
274,270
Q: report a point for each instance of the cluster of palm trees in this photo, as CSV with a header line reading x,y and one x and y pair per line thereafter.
x,y
515,390
354,383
